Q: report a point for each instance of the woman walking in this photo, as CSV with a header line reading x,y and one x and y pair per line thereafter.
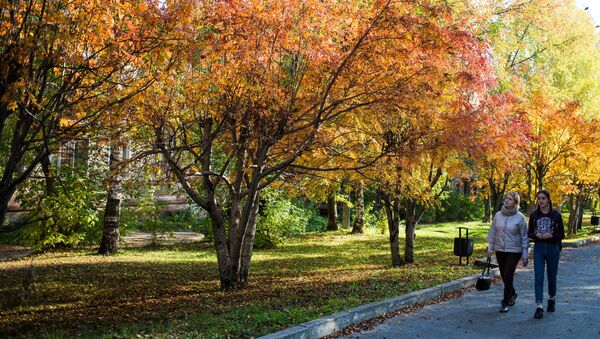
x,y
508,237
547,231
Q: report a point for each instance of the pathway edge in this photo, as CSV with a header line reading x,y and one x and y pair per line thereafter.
x,y
326,325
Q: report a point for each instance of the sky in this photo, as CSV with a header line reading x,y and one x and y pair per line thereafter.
x,y
594,8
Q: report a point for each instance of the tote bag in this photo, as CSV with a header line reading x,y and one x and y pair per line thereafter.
x,y
484,281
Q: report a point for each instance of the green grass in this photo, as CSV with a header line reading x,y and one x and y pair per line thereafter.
x,y
585,230
175,291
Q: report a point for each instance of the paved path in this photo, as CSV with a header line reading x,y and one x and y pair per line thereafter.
x,y
475,314
140,238
9,252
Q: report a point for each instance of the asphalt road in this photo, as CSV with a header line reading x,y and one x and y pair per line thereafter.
x,y
475,313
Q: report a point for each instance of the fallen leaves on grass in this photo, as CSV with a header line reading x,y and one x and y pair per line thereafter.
x,y
175,290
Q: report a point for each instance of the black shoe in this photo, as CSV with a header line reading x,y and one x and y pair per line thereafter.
x,y
539,313
512,300
551,305
504,308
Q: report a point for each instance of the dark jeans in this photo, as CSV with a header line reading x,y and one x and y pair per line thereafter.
x,y
507,263
545,254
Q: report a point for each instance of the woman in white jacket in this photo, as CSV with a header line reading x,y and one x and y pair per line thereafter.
x,y
508,237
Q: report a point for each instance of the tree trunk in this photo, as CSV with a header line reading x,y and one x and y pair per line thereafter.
x,y
332,212
112,213
414,212
573,215
48,176
487,210
248,246
359,216
411,223
531,203
497,192
345,216
580,214
539,176
240,245
576,204
392,210
5,195
227,277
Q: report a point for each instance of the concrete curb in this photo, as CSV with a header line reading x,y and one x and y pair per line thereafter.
x,y
332,323
581,242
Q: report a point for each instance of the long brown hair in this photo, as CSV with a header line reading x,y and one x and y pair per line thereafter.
x,y
547,194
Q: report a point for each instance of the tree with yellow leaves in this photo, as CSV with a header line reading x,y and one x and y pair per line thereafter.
x,y
64,64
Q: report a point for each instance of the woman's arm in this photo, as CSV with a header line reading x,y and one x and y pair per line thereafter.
x,y
524,238
559,231
531,230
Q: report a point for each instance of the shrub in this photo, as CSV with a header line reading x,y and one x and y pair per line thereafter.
x,y
67,218
316,222
458,207
375,218
278,220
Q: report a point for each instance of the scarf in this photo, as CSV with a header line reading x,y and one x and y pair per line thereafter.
x,y
508,212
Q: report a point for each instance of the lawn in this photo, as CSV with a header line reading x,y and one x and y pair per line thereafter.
x,y
174,291
585,230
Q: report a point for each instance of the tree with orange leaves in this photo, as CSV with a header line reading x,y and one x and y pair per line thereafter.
x,y
430,127
64,64
582,177
265,80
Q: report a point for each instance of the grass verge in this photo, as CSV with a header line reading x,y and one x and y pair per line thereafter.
x,y
174,291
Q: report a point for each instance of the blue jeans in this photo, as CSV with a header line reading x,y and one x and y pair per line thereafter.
x,y
545,255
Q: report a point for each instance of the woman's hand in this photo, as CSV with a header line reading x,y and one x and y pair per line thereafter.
x,y
525,261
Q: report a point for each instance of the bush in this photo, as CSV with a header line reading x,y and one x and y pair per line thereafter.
x,y
375,218
316,222
67,218
457,207
278,220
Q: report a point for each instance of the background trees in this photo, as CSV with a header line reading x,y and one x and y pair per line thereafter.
x,y
64,64
392,99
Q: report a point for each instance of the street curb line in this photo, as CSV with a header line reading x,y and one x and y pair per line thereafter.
x,y
323,326
581,242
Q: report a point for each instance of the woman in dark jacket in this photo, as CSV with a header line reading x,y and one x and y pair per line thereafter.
x,y
546,230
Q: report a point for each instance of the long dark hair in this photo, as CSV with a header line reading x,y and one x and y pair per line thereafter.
x,y
547,194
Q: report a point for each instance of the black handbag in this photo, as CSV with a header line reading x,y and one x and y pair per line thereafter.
x,y
484,281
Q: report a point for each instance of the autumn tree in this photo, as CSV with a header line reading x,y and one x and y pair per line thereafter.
x,y
580,171
545,54
63,65
429,126
263,81
503,131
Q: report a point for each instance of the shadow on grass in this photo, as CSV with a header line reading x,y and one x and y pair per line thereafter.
x,y
177,288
